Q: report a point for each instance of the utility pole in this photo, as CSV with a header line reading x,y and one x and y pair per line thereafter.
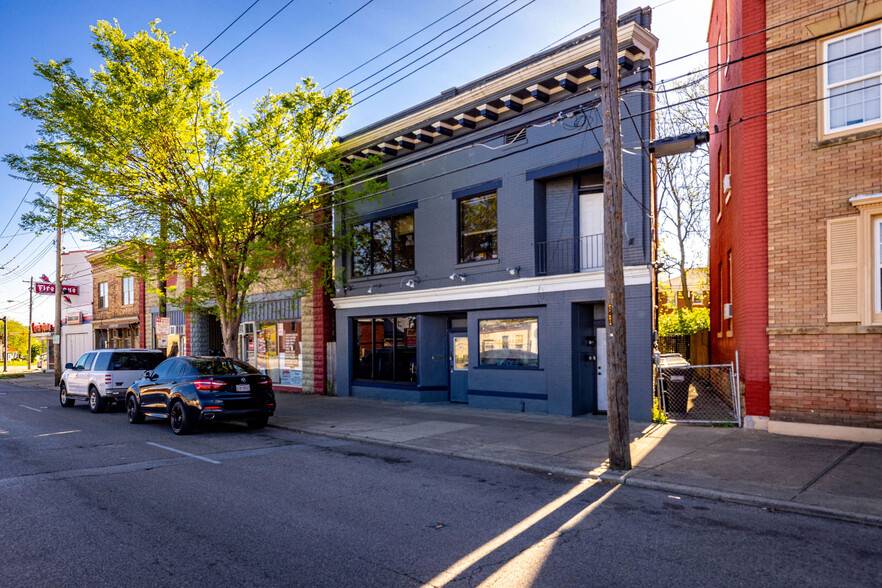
x,y
57,335
5,344
613,263
30,319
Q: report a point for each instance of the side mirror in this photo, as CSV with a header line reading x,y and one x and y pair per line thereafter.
x,y
149,375
68,366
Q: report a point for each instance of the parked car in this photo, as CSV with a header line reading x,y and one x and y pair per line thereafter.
x,y
104,375
190,390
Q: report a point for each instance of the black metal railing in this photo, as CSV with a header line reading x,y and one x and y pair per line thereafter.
x,y
567,256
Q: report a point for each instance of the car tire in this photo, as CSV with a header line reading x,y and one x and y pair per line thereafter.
x,y
181,423
258,422
63,397
133,411
96,401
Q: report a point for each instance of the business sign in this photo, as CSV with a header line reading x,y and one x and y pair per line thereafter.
x,y
41,288
74,318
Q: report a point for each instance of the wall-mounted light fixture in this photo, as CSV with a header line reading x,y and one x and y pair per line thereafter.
x,y
411,283
514,270
454,275
371,289
343,289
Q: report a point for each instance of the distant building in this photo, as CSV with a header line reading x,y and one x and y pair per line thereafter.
x,y
671,296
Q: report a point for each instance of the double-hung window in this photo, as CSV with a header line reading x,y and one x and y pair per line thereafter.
x,y
128,290
383,246
852,78
477,228
102,295
877,265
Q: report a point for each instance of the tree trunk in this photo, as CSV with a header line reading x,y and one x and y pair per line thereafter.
x,y
614,274
230,331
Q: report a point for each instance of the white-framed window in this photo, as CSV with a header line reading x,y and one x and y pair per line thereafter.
x,y
877,263
128,290
852,80
102,295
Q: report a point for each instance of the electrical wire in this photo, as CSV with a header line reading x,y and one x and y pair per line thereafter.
x,y
254,32
428,63
308,45
409,37
12,216
438,36
228,26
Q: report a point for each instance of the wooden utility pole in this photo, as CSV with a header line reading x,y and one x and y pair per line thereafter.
x,y
613,263
56,337
30,318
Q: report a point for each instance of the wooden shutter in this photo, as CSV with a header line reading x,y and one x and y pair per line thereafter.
x,y
842,270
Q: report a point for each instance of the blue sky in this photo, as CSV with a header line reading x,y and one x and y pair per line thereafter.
x,y
56,30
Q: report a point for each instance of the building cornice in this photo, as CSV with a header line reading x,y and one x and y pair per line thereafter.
x,y
634,276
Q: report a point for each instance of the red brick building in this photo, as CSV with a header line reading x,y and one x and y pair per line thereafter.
x,y
796,211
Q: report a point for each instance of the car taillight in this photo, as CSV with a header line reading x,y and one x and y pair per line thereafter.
x,y
107,378
209,385
264,381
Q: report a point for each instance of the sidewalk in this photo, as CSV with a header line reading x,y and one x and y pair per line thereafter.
x,y
820,477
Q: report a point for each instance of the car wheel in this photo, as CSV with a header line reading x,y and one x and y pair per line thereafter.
x,y
181,424
258,422
133,411
96,402
62,397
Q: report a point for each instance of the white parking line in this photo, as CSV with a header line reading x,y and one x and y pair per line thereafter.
x,y
30,408
59,433
181,452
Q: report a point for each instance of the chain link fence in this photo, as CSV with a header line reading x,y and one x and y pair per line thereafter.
x,y
699,393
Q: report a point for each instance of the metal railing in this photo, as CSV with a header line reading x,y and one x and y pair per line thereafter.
x,y
567,256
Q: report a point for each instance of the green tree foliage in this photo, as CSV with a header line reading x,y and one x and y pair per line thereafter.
x,y
684,321
147,159
17,338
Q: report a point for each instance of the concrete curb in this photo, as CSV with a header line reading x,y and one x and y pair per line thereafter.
x,y
613,478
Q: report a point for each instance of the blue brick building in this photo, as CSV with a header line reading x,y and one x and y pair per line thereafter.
x,y
478,277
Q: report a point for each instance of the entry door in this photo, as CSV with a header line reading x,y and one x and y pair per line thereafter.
x,y
459,366
590,230
601,370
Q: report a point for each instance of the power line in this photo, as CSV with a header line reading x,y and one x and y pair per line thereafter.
x,y
378,55
428,63
215,64
228,26
438,36
12,216
310,44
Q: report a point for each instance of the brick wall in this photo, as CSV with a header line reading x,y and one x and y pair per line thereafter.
x,y
820,373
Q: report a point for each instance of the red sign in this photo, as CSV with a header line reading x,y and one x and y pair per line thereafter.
x,y
40,288
42,327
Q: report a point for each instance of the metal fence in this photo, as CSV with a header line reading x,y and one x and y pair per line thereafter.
x,y
700,393
566,256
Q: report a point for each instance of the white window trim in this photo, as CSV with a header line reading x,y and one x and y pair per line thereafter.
x,y
130,293
103,301
827,129
877,264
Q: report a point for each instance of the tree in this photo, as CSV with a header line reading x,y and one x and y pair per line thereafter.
x,y
151,166
683,181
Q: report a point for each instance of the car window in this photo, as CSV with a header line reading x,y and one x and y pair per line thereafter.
x,y
222,366
90,359
81,362
121,361
162,369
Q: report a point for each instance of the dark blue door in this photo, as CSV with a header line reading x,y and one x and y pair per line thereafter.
x,y
458,343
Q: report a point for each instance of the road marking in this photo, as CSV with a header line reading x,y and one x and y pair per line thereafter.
x,y
182,452
59,433
30,408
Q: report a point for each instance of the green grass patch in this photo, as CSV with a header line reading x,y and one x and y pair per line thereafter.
x,y
10,376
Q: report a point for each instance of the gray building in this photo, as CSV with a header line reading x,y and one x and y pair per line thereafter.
x,y
478,277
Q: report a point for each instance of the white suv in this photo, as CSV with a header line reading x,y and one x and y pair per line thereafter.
x,y
104,375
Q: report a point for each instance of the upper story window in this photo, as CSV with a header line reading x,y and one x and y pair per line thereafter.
x,y
877,264
852,76
383,246
128,290
102,295
477,228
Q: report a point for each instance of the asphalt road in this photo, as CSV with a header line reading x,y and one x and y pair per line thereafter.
x,y
89,500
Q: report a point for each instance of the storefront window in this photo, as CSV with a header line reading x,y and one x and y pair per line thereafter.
x,y
509,342
278,351
385,349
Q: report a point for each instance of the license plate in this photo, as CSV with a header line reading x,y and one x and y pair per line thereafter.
x,y
243,388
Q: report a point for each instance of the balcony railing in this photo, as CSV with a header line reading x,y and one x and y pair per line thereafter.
x,y
567,256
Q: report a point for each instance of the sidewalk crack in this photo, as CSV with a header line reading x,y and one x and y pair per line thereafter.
x,y
826,470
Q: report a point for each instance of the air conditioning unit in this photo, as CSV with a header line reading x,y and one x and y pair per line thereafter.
x,y
727,183
727,310
176,329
